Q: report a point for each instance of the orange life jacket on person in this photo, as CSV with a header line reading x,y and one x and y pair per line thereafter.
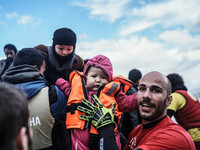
x,y
106,95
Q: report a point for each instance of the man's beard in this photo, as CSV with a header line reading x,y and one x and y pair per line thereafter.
x,y
159,110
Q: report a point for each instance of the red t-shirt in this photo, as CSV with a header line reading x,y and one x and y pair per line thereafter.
x,y
164,135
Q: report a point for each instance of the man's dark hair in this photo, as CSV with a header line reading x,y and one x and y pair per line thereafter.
x,y
14,115
134,75
29,56
177,82
175,79
10,47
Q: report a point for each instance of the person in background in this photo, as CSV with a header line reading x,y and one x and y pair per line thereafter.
x,y
10,51
157,130
97,78
131,119
14,117
61,55
47,104
185,107
135,75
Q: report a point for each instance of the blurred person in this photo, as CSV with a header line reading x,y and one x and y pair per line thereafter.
x,y
14,117
185,107
97,78
47,104
10,51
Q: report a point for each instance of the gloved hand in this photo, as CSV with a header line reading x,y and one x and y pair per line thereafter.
x,y
98,115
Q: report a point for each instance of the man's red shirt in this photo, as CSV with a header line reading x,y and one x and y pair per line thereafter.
x,y
164,134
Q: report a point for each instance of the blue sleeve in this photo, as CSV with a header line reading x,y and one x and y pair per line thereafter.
x,y
58,109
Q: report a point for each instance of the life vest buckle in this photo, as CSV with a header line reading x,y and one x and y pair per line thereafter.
x,y
72,110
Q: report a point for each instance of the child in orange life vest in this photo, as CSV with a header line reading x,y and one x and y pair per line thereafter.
x,y
97,78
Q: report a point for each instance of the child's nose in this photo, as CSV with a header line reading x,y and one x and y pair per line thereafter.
x,y
98,79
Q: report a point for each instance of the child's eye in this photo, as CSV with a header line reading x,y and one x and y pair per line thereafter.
x,y
103,77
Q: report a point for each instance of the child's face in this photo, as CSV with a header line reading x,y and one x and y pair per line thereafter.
x,y
95,77
63,50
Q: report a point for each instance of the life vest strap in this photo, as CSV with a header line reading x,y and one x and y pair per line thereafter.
x,y
116,119
73,107
112,89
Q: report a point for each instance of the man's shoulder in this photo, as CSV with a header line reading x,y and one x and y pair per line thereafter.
x,y
170,135
168,124
172,131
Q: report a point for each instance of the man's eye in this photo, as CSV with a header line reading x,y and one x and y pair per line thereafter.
x,y
141,89
155,91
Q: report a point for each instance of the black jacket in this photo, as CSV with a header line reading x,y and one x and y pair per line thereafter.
x,y
129,121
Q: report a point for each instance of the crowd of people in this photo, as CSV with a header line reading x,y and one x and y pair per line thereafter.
x,y
52,99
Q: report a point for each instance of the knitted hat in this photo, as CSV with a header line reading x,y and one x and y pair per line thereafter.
x,y
64,36
134,75
100,61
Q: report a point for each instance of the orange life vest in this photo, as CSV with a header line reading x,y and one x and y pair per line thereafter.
x,y
106,94
126,84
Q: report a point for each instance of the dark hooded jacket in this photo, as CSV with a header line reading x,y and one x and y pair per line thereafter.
x,y
31,81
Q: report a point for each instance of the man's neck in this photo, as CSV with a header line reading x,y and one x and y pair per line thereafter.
x,y
152,124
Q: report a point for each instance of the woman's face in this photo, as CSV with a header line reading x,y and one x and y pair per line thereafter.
x,y
63,50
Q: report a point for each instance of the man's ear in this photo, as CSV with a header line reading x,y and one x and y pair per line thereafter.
x,y
169,100
22,139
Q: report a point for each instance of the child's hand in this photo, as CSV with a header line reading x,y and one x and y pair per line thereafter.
x,y
98,115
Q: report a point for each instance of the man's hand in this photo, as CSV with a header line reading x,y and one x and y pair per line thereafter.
x,y
98,115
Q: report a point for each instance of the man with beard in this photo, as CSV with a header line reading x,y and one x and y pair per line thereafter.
x,y
157,130
14,117
10,51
